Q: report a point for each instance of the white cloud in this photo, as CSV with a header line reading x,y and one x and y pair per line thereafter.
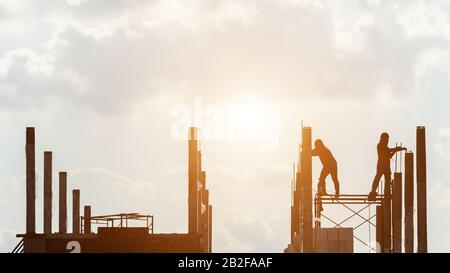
x,y
117,52
425,19
75,2
8,240
35,65
439,192
442,146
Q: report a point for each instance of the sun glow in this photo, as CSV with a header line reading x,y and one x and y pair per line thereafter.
x,y
253,120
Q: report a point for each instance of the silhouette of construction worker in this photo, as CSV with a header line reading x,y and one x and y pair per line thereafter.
x,y
384,163
329,166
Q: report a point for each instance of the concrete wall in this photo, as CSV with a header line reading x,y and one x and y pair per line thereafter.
x,y
333,240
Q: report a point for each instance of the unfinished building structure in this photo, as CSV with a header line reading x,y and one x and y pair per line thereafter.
x,y
124,232
394,217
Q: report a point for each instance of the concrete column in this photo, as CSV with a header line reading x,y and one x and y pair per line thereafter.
x,y
298,241
200,188
48,192
379,229
409,202
87,220
205,219
422,246
63,202
199,161
294,215
299,202
210,227
30,181
397,213
76,211
306,167
193,181
294,211
387,220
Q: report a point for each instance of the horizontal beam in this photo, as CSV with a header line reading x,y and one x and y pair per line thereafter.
x,y
119,214
352,203
348,199
350,195
343,196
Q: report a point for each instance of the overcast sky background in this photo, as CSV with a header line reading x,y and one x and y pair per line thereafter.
x,y
99,79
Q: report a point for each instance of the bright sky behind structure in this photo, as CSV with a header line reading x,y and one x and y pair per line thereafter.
x,y
108,84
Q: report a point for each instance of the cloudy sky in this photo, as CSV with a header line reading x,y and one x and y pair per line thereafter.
x,y
110,84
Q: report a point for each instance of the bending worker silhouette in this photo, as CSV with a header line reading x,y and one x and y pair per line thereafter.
x,y
329,166
384,163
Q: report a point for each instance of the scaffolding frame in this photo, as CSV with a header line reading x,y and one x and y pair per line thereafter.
x,y
346,201
122,218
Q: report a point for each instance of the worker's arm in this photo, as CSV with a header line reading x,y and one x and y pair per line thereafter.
x,y
314,152
395,150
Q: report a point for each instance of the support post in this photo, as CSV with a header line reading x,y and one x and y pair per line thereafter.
x,y
210,211
422,246
200,187
76,211
295,209
293,223
379,229
397,213
409,202
387,221
193,181
31,181
299,212
87,220
306,167
62,202
48,192
204,216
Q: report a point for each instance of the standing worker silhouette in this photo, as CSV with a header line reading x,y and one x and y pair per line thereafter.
x,y
329,166
384,163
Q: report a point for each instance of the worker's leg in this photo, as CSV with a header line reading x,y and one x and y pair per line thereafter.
x,y
321,189
376,180
334,176
387,181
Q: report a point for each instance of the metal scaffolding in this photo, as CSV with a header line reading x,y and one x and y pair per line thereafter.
x,y
119,220
347,201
